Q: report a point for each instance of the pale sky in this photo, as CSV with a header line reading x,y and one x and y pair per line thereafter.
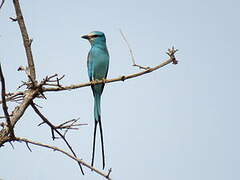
x,y
178,123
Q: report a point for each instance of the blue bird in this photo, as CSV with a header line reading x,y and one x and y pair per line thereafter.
x,y
97,64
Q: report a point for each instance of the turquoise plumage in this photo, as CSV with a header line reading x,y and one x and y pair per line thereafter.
x,y
97,63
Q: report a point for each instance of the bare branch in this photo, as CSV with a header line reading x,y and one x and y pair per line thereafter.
x,y
4,104
64,152
17,113
19,110
53,128
26,40
70,124
2,4
172,59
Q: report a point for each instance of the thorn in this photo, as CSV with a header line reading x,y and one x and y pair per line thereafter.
x,y
174,61
30,42
11,144
109,172
28,146
41,123
21,68
13,19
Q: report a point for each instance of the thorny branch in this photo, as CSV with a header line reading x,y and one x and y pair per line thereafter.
x,y
172,59
27,141
53,128
30,94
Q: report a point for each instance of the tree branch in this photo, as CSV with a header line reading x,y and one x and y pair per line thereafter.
x,y
26,41
171,59
4,104
64,152
17,113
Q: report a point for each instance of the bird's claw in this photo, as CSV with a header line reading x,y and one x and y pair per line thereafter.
x,y
99,81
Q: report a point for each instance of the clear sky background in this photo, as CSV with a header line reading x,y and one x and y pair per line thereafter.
x,y
178,123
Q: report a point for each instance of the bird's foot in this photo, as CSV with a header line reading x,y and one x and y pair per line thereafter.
x,y
104,80
99,81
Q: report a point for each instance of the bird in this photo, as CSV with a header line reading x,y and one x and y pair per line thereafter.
x,y
97,65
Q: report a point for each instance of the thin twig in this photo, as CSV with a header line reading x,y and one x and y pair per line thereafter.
x,y
128,45
64,152
2,4
11,96
4,104
72,120
131,52
54,129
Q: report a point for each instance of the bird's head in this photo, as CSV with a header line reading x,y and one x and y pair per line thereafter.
x,y
95,37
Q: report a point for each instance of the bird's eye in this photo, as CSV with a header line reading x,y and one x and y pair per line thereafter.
x,y
94,36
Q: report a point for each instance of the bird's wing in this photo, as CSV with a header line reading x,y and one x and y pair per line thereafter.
x,y
90,66
100,67
90,69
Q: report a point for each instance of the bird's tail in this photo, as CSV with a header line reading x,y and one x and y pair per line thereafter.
x,y
97,118
97,108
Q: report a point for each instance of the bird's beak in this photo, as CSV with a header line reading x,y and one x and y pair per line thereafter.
x,y
85,37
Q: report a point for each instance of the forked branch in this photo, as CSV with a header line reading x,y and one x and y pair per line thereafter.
x,y
53,128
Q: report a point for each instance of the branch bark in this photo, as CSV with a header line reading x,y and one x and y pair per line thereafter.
x,y
26,41
18,112
66,153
